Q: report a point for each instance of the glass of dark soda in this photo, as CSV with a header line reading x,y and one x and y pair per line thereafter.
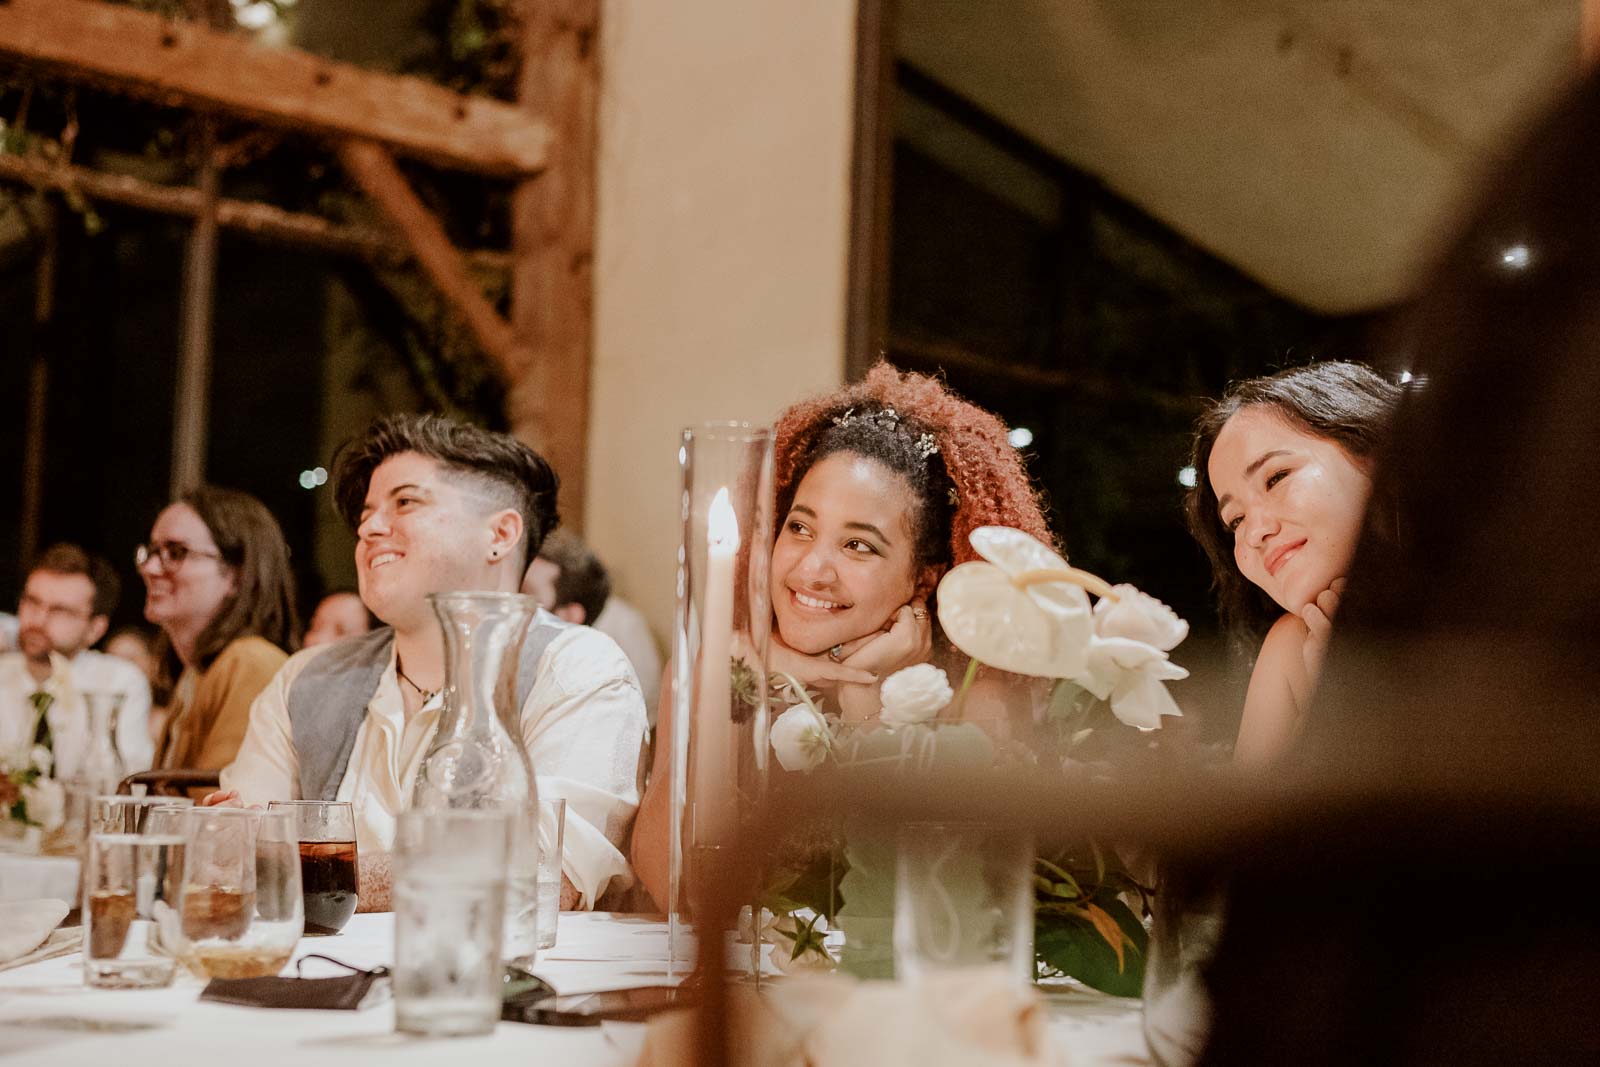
x,y
327,861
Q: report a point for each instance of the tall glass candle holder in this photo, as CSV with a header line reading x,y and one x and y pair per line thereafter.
x,y
719,649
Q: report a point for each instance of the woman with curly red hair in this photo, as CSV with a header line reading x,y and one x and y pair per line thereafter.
x,y
878,485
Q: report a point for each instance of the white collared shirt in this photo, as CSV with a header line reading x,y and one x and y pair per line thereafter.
x,y
88,671
582,726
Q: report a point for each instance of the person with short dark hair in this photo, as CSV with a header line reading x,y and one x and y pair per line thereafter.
x,y
1283,469
65,608
441,506
569,580
217,582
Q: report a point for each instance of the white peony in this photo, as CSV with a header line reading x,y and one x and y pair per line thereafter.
x,y
41,758
800,738
46,802
914,694
1130,674
996,612
1139,617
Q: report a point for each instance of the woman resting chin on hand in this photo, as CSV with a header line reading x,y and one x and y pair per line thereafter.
x,y
877,487
1284,473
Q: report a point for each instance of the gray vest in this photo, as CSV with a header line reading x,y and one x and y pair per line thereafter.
x,y
328,700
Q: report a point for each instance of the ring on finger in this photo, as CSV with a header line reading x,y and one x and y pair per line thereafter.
x,y
920,614
836,653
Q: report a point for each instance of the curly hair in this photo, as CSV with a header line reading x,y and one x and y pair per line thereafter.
x,y
1346,403
974,479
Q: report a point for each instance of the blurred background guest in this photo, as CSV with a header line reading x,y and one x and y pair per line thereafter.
x,y
339,614
65,608
217,581
569,581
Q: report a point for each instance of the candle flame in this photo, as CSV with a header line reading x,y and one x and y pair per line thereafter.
x,y
722,525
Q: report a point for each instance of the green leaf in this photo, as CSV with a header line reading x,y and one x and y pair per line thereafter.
x,y
1067,943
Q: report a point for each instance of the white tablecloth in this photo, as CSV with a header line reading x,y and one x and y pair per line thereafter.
x,y
47,1016
25,877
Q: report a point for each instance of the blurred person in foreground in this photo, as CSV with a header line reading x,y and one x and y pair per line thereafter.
x,y
442,506
217,582
65,608
1420,896
570,582
340,614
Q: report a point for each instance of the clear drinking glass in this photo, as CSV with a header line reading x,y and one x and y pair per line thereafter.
x,y
133,883
101,762
242,910
328,867
552,831
129,815
449,908
963,899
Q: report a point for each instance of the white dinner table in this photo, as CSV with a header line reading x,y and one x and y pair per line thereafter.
x,y
48,1017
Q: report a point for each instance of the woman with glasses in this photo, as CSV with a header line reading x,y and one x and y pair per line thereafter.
x,y
217,582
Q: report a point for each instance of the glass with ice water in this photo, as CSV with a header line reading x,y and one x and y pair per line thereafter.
x,y
449,904
552,830
963,899
133,882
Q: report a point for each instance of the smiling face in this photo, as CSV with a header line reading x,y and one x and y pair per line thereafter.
x,y
425,530
186,596
843,562
1293,501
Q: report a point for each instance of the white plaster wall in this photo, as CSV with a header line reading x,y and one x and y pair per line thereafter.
x,y
721,248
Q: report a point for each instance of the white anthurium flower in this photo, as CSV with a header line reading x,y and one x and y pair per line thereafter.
x,y
800,738
1130,674
914,695
1138,617
1006,613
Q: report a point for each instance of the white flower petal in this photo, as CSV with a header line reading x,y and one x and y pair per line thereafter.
x,y
1140,700
800,739
914,695
1139,617
1042,631
1013,551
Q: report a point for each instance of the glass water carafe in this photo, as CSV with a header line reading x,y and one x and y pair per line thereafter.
x,y
476,760
101,767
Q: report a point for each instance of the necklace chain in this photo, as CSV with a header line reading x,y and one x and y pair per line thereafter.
x,y
425,694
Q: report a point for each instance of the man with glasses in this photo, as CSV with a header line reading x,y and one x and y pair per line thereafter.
x,y
439,506
65,608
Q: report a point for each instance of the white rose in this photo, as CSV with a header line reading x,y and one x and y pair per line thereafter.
x,y
914,694
800,738
46,802
1139,617
42,758
1130,674
997,611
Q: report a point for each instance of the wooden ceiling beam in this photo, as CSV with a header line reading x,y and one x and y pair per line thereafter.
x,y
189,64
251,217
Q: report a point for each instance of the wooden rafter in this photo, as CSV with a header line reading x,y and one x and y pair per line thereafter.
x,y
375,172
250,217
192,65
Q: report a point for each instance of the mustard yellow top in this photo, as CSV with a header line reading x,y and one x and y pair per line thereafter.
x,y
211,708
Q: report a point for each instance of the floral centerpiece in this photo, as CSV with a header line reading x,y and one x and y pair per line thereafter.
x,y
32,802
1023,610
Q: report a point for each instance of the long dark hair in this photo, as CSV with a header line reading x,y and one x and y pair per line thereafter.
x,y
251,543
1346,403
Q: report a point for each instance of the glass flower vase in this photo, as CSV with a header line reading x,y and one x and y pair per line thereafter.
x,y
102,767
476,760
719,646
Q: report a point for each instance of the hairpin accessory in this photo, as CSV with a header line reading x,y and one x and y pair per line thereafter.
x,y
889,419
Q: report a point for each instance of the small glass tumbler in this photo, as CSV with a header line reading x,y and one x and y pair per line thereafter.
x,y
242,909
963,899
128,815
134,882
552,831
449,907
328,867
